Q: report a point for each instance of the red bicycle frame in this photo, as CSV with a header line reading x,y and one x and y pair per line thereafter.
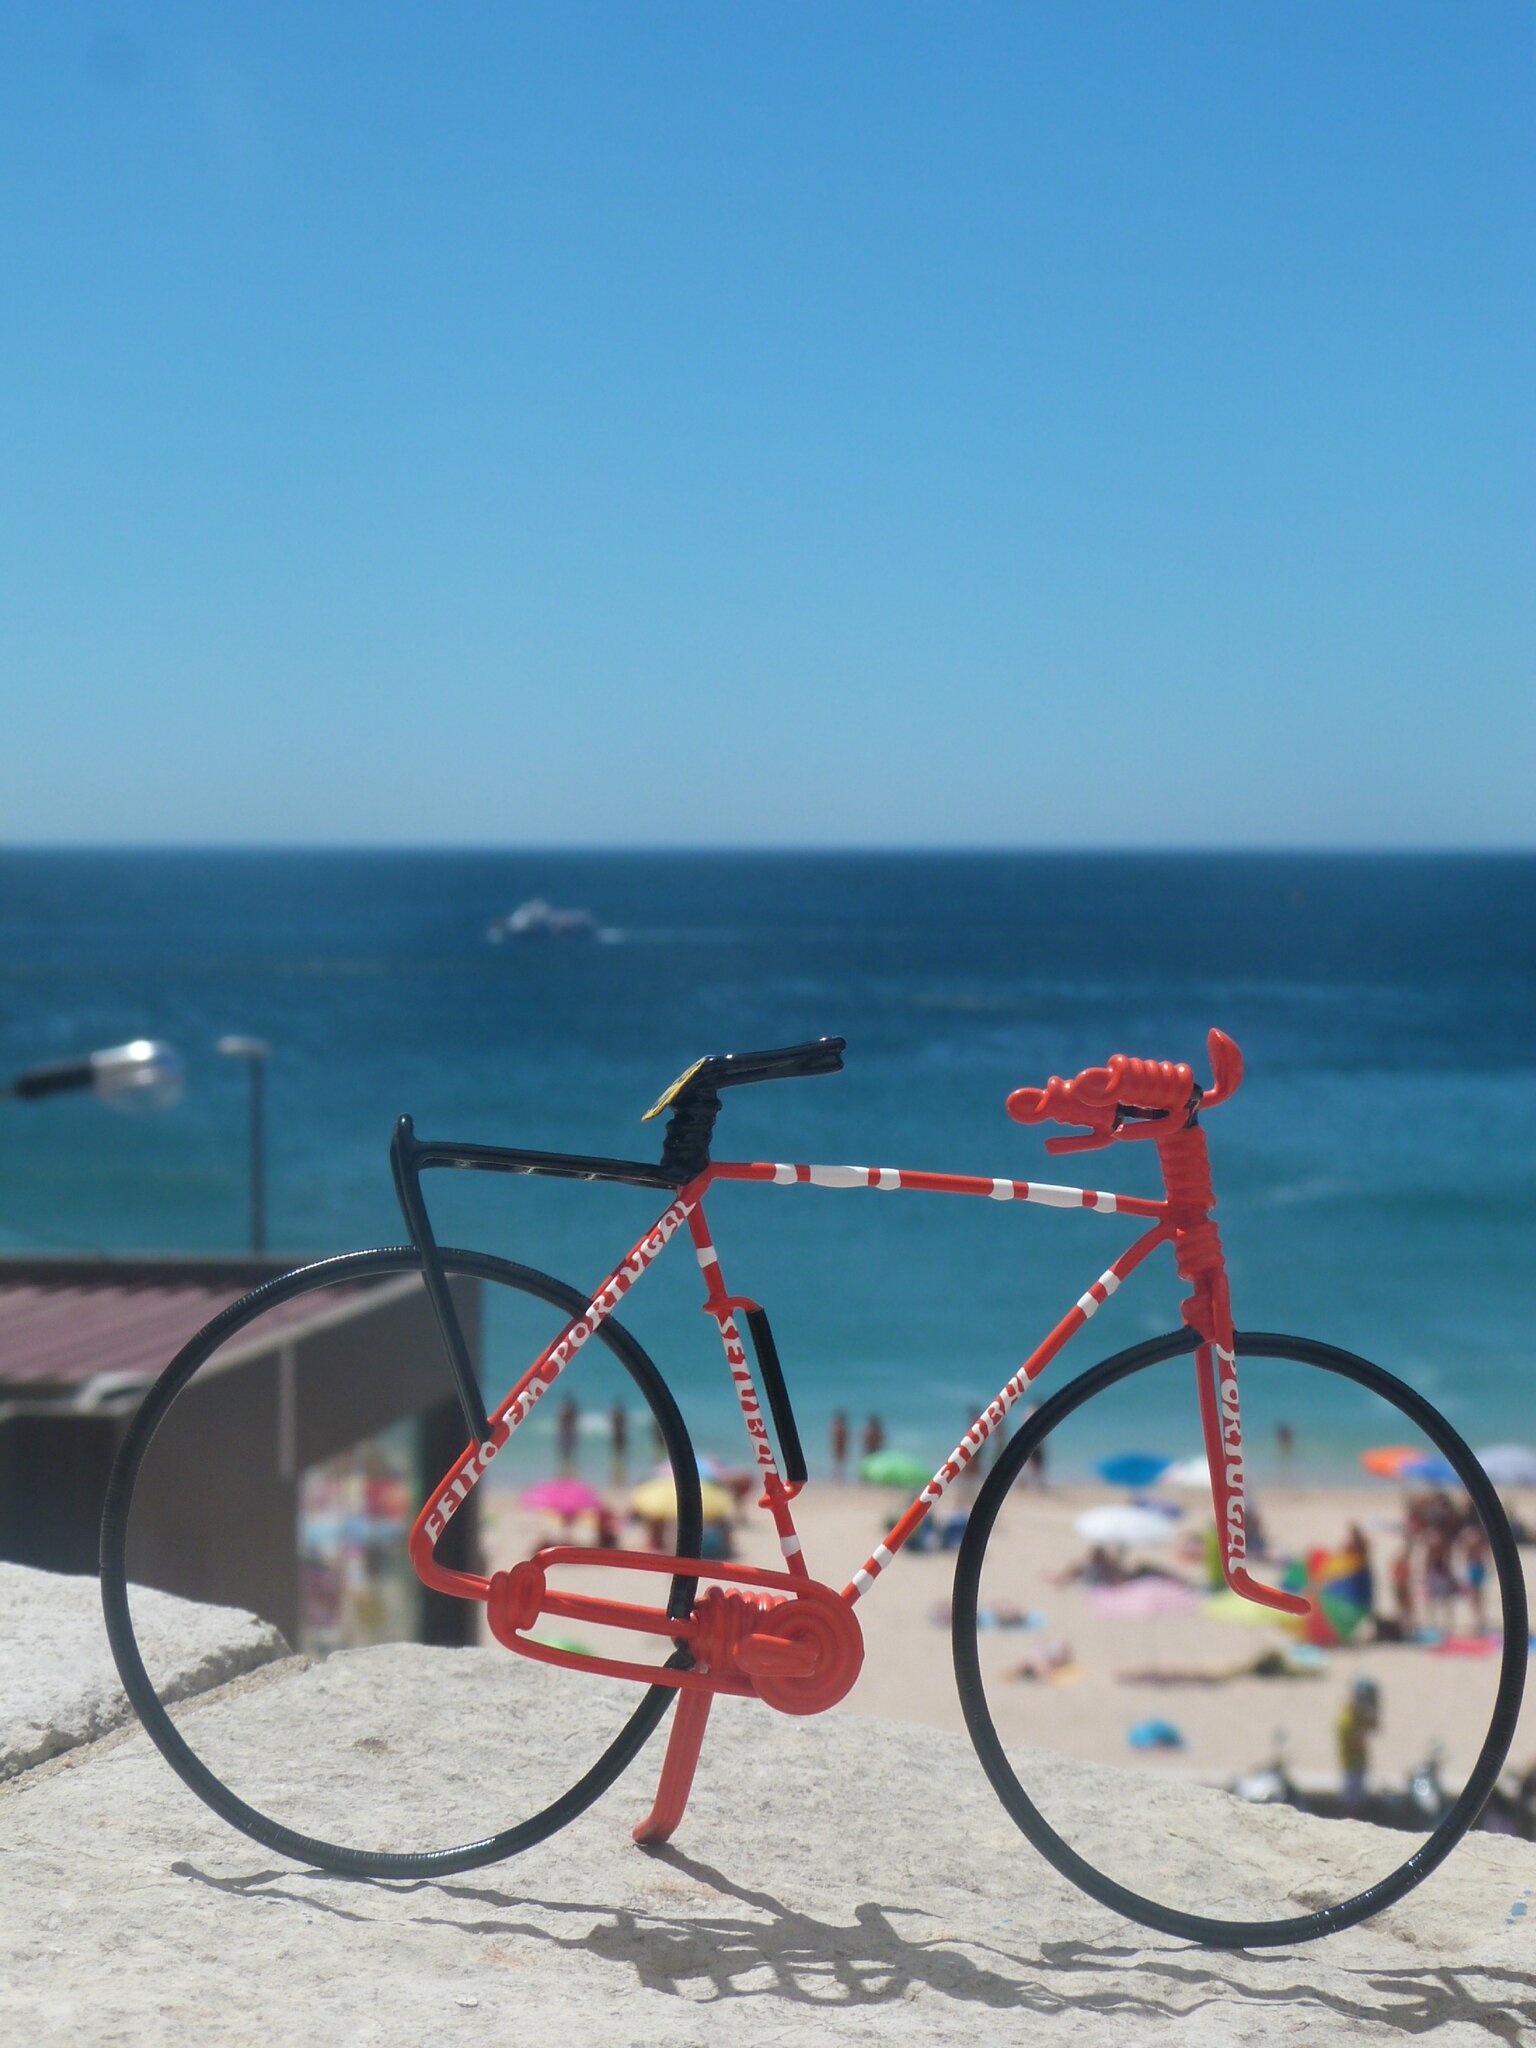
x,y
1221,1418
783,1636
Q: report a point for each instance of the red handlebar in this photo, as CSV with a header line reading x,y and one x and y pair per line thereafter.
x,y
1098,1096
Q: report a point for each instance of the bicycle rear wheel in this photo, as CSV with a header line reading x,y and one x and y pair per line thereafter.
x,y
331,1766
1172,1687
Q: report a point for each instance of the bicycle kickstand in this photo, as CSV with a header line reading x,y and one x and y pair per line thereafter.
x,y
683,1744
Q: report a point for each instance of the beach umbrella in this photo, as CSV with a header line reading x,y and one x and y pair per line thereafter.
x,y
1437,1471
1389,1460
1121,1523
1191,1473
1509,1464
1132,1468
896,1468
711,1468
566,1498
1144,1599
1332,1581
656,1501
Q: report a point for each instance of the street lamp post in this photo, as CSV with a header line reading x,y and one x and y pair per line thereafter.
x,y
145,1074
254,1052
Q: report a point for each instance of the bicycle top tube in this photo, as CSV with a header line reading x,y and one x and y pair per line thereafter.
x,y
890,1179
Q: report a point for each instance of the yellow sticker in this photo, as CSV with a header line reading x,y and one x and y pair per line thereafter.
x,y
672,1093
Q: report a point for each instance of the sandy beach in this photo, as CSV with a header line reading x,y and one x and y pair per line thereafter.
x,y
1114,1677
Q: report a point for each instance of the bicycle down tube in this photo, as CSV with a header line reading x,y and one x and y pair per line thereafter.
x,y
466,1474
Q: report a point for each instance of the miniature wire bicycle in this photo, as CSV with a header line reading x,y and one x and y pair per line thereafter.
x,y
782,1636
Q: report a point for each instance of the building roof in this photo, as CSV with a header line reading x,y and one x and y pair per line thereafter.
x,y
67,1322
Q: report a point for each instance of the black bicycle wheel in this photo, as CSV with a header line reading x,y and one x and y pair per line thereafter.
x,y
1193,1699
337,1747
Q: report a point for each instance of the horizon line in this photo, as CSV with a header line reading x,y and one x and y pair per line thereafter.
x,y
721,849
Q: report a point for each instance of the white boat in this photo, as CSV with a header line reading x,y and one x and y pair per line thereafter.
x,y
537,919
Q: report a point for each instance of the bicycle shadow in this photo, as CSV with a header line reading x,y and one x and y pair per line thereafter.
x,y
772,1950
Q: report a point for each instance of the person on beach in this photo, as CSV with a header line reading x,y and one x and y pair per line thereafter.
x,y
1361,1574
1402,1592
1439,1580
1106,1567
567,1425
618,1436
839,1446
874,1437
1052,1663
1101,1567
1475,1553
1359,1718
1267,1664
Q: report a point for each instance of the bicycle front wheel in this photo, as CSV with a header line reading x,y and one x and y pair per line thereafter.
x,y
394,1760
1166,1731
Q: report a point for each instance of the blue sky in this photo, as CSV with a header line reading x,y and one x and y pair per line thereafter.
x,y
1024,425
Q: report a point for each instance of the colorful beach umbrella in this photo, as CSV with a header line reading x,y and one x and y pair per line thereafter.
x,y
1123,1523
1132,1468
1509,1464
1434,1471
1334,1581
896,1468
656,1501
566,1498
1388,1461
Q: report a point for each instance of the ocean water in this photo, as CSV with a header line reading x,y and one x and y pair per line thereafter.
x,y
1375,1173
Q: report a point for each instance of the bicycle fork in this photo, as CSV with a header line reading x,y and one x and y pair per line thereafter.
x,y
1200,1260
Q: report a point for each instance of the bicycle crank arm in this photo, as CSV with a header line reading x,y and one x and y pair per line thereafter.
x,y
794,1644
